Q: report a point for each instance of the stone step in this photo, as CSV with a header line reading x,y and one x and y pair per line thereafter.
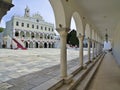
x,y
79,77
83,85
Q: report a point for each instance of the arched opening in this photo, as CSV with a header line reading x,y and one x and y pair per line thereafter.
x,y
78,23
41,45
27,35
53,45
49,45
26,44
51,36
72,39
87,39
16,33
41,36
45,36
45,45
36,44
31,45
48,36
32,35
22,35
37,35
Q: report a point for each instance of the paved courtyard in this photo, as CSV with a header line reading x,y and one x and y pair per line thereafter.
x,y
15,63
25,69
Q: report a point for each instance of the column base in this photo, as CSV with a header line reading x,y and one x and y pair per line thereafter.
x,y
68,80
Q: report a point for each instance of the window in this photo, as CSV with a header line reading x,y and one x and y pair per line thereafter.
x,y
41,28
22,25
49,29
28,25
37,20
52,29
45,28
37,27
32,26
17,23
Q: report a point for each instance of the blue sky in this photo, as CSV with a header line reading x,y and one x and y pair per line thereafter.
x,y
42,6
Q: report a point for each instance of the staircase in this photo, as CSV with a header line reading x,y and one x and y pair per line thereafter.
x,y
20,45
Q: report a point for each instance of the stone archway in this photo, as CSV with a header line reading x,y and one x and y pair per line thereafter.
x,y
41,45
16,33
49,45
32,35
45,45
27,34
88,32
22,34
79,23
36,45
37,35
41,35
26,44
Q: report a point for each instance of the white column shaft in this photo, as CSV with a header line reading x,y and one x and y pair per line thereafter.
x,y
89,50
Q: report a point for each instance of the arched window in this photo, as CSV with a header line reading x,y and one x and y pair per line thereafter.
x,y
32,26
52,29
28,25
22,24
49,29
37,27
41,28
45,28
17,23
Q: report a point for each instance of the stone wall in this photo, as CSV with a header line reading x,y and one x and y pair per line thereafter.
x,y
116,43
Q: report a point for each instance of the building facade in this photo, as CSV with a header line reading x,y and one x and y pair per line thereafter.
x,y
33,31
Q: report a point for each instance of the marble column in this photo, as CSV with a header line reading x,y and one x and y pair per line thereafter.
x,y
89,54
93,56
81,38
63,50
96,48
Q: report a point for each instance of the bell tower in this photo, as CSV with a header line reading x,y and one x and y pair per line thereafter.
x,y
27,12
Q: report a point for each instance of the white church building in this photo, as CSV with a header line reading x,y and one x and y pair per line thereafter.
x,y
29,32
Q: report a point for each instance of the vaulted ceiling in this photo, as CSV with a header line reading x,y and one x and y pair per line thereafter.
x,y
103,14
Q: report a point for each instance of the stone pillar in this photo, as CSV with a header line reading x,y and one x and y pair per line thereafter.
x,y
100,48
96,48
93,56
63,52
81,38
89,54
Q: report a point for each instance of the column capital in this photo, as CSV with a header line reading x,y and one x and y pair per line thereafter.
x,y
63,31
80,36
89,39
